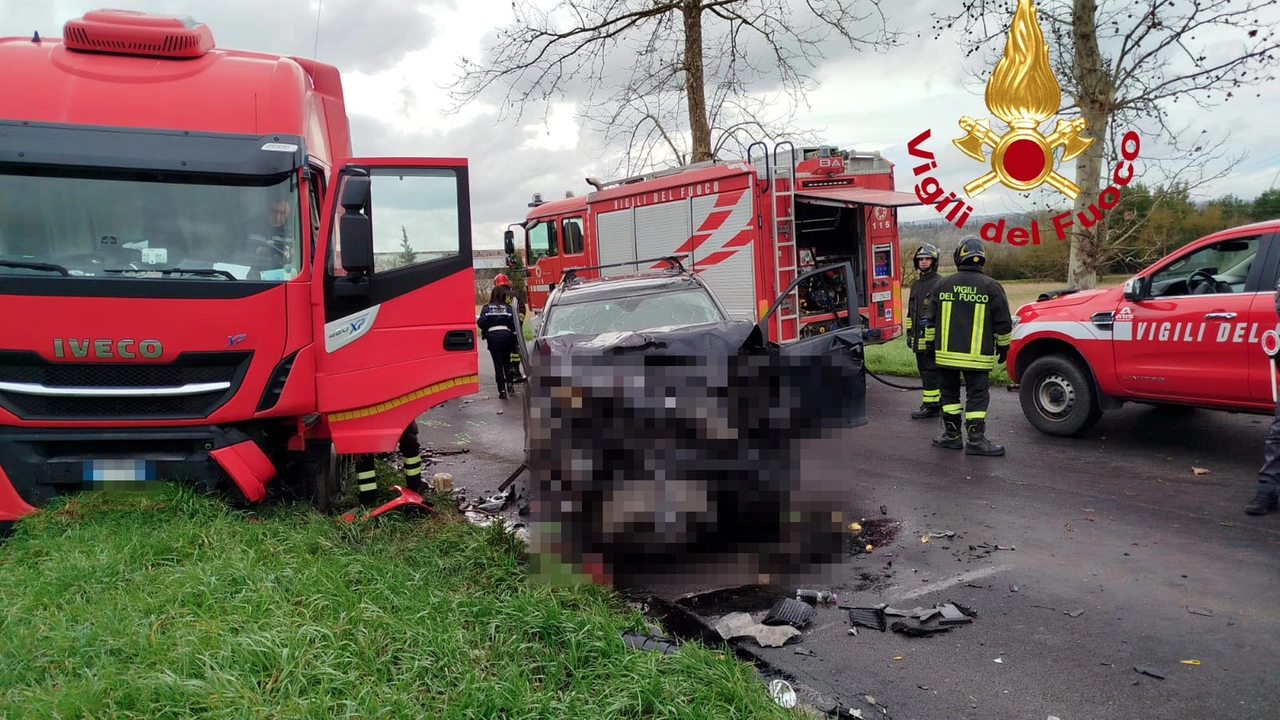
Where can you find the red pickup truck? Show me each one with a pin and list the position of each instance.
(1188, 330)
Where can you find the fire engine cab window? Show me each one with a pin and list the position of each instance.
(1219, 268)
(415, 217)
(573, 236)
(129, 225)
(542, 241)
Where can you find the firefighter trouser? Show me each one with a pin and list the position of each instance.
(502, 345)
(929, 378)
(1269, 475)
(977, 385)
(410, 450)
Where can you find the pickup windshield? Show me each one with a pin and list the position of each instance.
(136, 224)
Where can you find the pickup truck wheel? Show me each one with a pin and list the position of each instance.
(1057, 396)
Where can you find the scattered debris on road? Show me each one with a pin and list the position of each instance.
(916, 622)
(1199, 470)
(1200, 611)
(1149, 671)
(740, 624)
(813, 597)
(789, 611)
(1073, 613)
(1190, 662)
(782, 693)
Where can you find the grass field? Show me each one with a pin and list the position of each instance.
(174, 605)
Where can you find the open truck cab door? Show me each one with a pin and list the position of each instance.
(395, 315)
(840, 346)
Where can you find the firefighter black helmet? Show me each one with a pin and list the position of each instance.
(970, 250)
(926, 251)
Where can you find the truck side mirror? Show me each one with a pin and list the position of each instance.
(355, 227)
(1133, 289)
(509, 242)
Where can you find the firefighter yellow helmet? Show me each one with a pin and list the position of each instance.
(970, 250)
(926, 251)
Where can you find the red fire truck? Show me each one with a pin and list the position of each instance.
(749, 228)
(196, 286)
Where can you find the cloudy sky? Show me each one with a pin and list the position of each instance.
(396, 56)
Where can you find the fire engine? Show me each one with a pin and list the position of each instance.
(1196, 328)
(747, 227)
(196, 286)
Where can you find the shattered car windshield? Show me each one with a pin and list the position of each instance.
(635, 313)
(133, 224)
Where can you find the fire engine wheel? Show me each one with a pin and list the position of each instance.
(1057, 396)
(327, 477)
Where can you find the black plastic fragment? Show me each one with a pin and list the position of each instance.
(1149, 671)
(649, 643)
(789, 611)
(911, 629)
(873, 618)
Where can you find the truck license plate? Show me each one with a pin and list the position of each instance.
(100, 473)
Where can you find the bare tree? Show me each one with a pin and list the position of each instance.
(689, 79)
(1121, 63)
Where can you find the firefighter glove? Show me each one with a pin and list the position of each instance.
(1002, 352)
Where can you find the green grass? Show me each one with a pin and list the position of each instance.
(174, 604)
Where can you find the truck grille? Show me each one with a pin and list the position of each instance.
(26, 381)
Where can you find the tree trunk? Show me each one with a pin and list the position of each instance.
(695, 84)
(1096, 98)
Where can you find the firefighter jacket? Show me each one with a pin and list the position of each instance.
(496, 317)
(974, 323)
(920, 324)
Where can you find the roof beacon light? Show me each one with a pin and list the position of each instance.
(125, 32)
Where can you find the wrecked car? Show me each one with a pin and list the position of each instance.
(664, 438)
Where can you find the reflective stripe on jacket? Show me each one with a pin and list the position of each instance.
(919, 314)
(973, 320)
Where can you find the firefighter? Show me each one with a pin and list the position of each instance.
(1267, 498)
(973, 333)
(500, 281)
(410, 450)
(498, 329)
(921, 327)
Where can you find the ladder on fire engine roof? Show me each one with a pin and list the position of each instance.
(602, 184)
(781, 189)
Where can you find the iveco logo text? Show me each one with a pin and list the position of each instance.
(351, 327)
(106, 348)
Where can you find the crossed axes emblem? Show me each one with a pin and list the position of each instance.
(1065, 135)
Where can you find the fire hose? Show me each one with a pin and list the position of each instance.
(893, 385)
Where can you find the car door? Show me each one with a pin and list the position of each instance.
(1263, 314)
(1191, 326)
(835, 354)
(395, 309)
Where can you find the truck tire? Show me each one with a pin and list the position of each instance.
(326, 474)
(1058, 397)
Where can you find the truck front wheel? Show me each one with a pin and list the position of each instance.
(1057, 396)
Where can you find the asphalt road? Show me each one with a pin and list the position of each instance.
(1116, 524)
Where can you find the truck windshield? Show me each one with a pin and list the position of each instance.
(149, 224)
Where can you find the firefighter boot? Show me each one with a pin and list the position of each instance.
(950, 437)
(977, 442)
(1262, 503)
(927, 410)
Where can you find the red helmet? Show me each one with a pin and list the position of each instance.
(501, 279)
